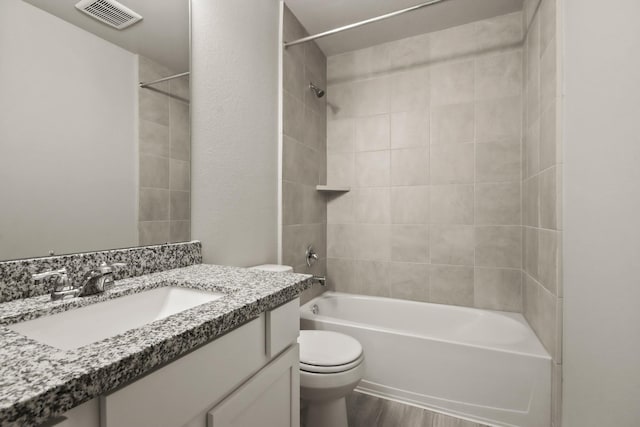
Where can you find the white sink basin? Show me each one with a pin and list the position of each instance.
(81, 326)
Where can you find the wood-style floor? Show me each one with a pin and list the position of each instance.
(369, 411)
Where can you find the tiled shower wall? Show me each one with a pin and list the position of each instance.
(427, 133)
(165, 157)
(304, 153)
(542, 183)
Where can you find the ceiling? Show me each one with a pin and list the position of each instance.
(323, 15)
(162, 35)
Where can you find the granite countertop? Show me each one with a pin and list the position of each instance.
(38, 381)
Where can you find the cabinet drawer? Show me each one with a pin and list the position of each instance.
(283, 327)
(172, 395)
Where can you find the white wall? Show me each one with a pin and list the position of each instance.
(602, 214)
(235, 129)
(68, 154)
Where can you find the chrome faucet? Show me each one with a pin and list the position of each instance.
(99, 279)
(62, 286)
(320, 279)
(94, 281)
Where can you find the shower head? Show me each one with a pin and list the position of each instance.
(316, 90)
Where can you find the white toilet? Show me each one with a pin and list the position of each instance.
(331, 366)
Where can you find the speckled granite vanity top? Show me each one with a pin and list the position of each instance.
(38, 381)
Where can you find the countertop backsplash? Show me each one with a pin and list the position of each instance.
(15, 275)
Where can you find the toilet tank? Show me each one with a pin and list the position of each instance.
(276, 268)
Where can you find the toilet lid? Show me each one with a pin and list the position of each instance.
(327, 348)
(304, 367)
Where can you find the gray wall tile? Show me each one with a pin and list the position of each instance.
(499, 76)
(180, 205)
(180, 231)
(410, 205)
(372, 169)
(452, 164)
(373, 133)
(340, 168)
(452, 83)
(410, 243)
(499, 119)
(372, 205)
(154, 172)
(498, 203)
(410, 129)
(498, 162)
(498, 289)
(409, 281)
(371, 96)
(153, 232)
(499, 246)
(410, 90)
(452, 204)
(372, 278)
(453, 123)
(410, 166)
(451, 285)
(341, 135)
(340, 274)
(154, 204)
(154, 107)
(452, 244)
(292, 200)
(340, 208)
(180, 131)
(180, 172)
(154, 138)
(373, 242)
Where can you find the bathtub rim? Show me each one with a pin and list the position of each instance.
(306, 314)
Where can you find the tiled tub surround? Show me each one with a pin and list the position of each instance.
(15, 276)
(427, 132)
(304, 209)
(542, 182)
(38, 381)
(165, 157)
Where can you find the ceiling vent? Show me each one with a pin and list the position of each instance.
(110, 12)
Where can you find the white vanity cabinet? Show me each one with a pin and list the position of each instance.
(248, 377)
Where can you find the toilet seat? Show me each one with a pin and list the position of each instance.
(328, 352)
(330, 369)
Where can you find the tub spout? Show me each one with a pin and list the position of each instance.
(320, 279)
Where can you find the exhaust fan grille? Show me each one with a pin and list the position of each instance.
(110, 12)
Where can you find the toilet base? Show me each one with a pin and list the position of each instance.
(329, 413)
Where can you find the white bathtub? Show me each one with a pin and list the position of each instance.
(485, 366)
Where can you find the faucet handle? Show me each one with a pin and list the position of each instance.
(311, 256)
(61, 274)
(105, 267)
(62, 288)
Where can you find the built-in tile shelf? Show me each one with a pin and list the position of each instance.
(332, 189)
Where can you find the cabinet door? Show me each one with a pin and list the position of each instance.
(174, 394)
(269, 399)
